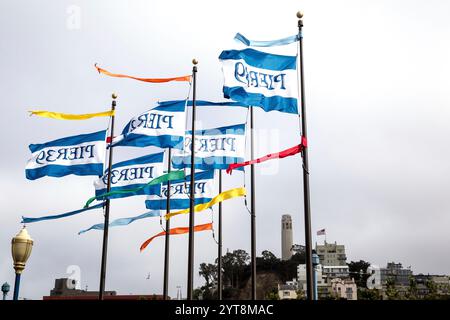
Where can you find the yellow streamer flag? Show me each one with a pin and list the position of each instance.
(229, 194)
(66, 116)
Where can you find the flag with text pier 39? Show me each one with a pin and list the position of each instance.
(215, 148)
(180, 191)
(162, 126)
(81, 155)
(261, 79)
(133, 174)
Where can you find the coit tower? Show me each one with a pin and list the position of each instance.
(286, 237)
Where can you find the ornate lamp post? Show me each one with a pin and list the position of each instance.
(21, 246)
(5, 290)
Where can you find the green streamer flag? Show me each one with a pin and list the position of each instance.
(173, 175)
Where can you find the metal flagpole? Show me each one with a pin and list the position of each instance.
(190, 276)
(253, 209)
(219, 253)
(108, 189)
(167, 238)
(306, 198)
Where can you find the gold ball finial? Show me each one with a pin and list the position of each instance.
(194, 61)
(114, 95)
(299, 14)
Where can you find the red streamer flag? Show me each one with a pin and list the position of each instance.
(278, 155)
(151, 80)
(180, 230)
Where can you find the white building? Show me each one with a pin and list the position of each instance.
(331, 254)
(332, 272)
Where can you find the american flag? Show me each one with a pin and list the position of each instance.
(321, 232)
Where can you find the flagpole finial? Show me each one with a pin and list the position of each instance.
(114, 95)
(299, 14)
(194, 61)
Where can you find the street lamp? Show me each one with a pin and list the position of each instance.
(21, 246)
(5, 289)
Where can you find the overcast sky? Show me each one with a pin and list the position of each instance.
(377, 82)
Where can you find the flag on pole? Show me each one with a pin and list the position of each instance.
(226, 195)
(278, 155)
(67, 116)
(321, 232)
(132, 174)
(272, 43)
(203, 103)
(163, 127)
(81, 155)
(179, 192)
(215, 148)
(174, 231)
(121, 221)
(260, 79)
(173, 175)
(151, 80)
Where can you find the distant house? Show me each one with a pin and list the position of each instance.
(287, 291)
(344, 288)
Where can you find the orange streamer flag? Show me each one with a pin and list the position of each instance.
(181, 230)
(151, 80)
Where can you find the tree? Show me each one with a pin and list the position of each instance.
(412, 292)
(391, 290)
(368, 294)
(209, 273)
(432, 290)
(358, 271)
(234, 267)
(268, 256)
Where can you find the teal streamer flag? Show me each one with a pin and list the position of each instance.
(173, 175)
(254, 43)
(122, 221)
(63, 215)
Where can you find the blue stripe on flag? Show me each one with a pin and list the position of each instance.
(151, 158)
(161, 204)
(208, 163)
(122, 221)
(253, 43)
(70, 141)
(148, 190)
(55, 170)
(201, 175)
(203, 103)
(278, 103)
(260, 59)
(162, 141)
(59, 216)
(233, 129)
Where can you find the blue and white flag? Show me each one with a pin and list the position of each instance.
(260, 79)
(180, 191)
(162, 126)
(214, 148)
(82, 155)
(203, 103)
(271, 43)
(132, 174)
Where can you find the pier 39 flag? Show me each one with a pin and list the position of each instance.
(214, 148)
(180, 190)
(132, 174)
(260, 79)
(162, 126)
(81, 155)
